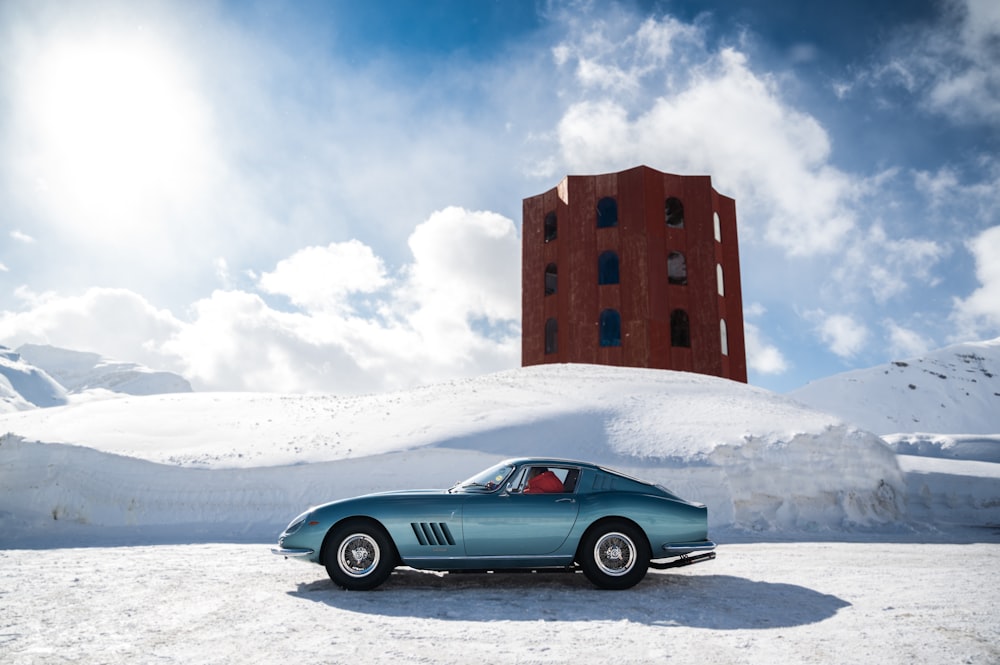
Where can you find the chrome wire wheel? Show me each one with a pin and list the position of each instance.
(358, 555)
(614, 554)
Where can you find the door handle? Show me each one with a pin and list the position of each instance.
(565, 500)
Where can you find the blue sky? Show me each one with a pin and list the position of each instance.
(267, 195)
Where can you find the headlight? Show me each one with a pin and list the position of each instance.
(295, 525)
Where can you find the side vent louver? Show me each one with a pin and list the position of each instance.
(432, 533)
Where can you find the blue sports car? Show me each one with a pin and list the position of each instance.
(533, 514)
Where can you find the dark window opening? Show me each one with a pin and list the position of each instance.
(680, 328)
(611, 328)
(673, 211)
(607, 268)
(551, 336)
(550, 227)
(607, 212)
(677, 269)
(551, 279)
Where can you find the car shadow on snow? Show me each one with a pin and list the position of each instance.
(722, 602)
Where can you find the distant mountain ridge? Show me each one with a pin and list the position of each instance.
(954, 390)
(24, 386)
(39, 376)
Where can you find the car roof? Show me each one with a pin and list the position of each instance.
(554, 461)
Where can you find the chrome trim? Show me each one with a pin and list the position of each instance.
(680, 549)
(492, 557)
(280, 551)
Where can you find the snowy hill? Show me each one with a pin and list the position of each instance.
(24, 386)
(955, 390)
(79, 371)
(237, 466)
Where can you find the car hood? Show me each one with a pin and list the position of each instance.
(387, 495)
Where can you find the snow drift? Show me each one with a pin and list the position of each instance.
(238, 466)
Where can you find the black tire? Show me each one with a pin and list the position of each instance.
(359, 555)
(614, 555)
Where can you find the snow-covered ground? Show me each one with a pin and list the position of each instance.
(137, 529)
(767, 603)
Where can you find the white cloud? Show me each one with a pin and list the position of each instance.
(453, 311)
(466, 265)
(979, 313)
(904, 342)
(842, 333)
(886, 266)
(417, 328)
(952, 65)
(22, 237)
(711, 114)
(761, 356)
(320, 278)
(116, 323)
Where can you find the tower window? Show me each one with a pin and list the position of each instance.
(680, 328)
(719, 280)
(550, 227)
(607, 268)
(551, 336)
(607, 213)
(551, 279)
(677, 269)
(611, 328)
(673, 211)
(724, 335)
(718, 226)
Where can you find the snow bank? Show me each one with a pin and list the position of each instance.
(947, 446)
(241, 465)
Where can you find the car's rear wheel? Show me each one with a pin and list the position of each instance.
(614, 555)
(359, 555)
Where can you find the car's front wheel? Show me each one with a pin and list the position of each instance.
(359, 555)
(614, 555)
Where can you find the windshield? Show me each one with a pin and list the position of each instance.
(488, 480)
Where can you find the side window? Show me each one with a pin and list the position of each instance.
(531, 480)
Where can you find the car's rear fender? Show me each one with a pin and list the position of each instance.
(660, 519)
(603, 523)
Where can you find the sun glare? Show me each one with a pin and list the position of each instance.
(116, 130)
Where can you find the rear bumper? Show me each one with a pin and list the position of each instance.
(681, 549)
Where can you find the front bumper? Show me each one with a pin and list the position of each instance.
(291, 553)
